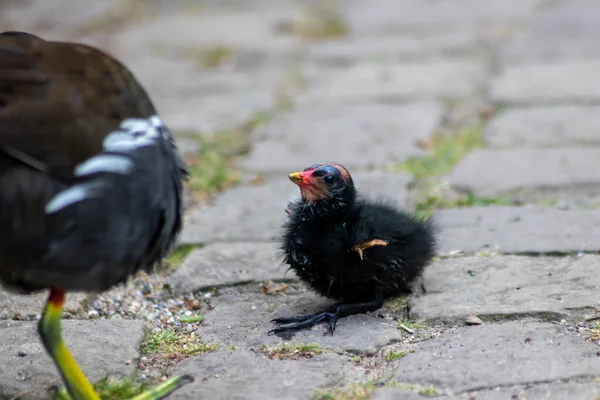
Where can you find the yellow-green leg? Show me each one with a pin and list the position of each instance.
(77, 385)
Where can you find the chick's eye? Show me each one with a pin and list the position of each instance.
(328, 178)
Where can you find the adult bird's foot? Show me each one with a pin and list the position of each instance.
(77, 386)
(306, 321)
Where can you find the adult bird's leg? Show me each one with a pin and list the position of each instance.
(77, 385)
(332, 314)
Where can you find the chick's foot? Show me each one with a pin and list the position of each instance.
(332, 314)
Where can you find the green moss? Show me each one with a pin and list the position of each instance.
(432, 202)
(322, 21)
(178, 256)
(400, 385)
(113, 387)
(428, 391)
(121, 14)
(212, 169)
(212, 57)
(392, 355)
(324, 395)
(396, 303)
(355, 391)
(192, 319)
(443, 153)
(292, 350)
(154, 341)
(412, 325)
(168, 343)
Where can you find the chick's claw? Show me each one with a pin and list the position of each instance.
(308, 323)
(290, 320)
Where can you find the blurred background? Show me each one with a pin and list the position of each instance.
(219, 69)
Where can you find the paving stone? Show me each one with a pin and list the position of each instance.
(479, 357)
(243, 320)
(569, 29)
(357, 136)
(545, 127)
(505, 286)
(391, 16)
(100, 347)
(223, 264)
(554, 391)
(42, 17)
(487, 173)
(256, 213)
(30, 307)
(219, 112)
(395, 82)
(549, 82)
(253, 29)
(395, 394)
(377, 48)
(244, 375)
(518, 230)
(222, 5)
(187, 79)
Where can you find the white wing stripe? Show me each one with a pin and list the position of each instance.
(105, 163)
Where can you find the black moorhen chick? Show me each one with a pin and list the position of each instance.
(350, 249)
(90, 182)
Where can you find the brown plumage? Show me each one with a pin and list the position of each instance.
(90, 178)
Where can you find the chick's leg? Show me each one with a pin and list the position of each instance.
(332, 314)
(77, 385)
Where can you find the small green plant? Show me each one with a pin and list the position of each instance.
(169, 343)
(154, 341)
(433, 202)
(114, 387)
(211, 57)
(324, 395)
(322, 21)
(213, 168)
(428, 391)
(400, 385)
(178, 256)
(444, 152)
(292, 350)
(355, 391)
(191, 319)
(412, 325)
(392, 355)
(396, 303)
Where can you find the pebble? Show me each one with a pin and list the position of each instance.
(473, 320)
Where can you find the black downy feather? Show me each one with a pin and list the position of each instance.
(321, 234)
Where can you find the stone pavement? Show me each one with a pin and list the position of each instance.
(509, 310)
